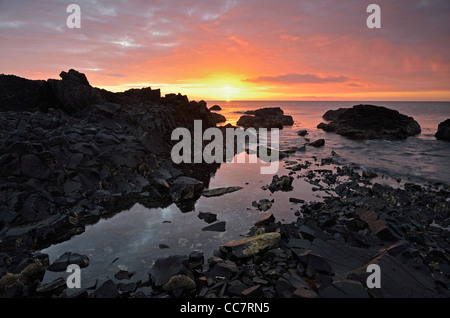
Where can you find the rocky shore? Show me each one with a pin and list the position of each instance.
(71, 154)
(324, 254)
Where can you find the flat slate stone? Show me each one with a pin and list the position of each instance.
(219, 191)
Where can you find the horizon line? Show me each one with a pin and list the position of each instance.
(352, 101)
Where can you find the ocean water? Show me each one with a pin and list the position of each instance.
(131, 239)
(421, 158)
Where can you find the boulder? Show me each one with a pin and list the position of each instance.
(443, 132)
(165, 268)
(283, 183)
(218, 118)
(269, 111)
(318, 143)
(185, 188)
(265, 118)
(370, 122)
(179, 282)
(215, 108)
(208, 217)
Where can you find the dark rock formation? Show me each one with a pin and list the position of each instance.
(318, 143)
(186, 188)
(216, 227)
(262, 205)
(283, 183)
(20, 94)
(71, 153)
(215, 108)
(443, 131)
(208, 217)
(370, 122)
(265, 118)
(218, 118)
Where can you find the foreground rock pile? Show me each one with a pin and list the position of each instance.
(325, 253)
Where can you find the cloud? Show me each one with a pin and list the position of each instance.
(115, 74)
(298, 79)
(279, 43)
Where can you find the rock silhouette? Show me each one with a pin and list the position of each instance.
(370, 122)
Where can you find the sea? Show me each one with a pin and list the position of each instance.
(134, 239)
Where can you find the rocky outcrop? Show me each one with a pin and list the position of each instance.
(265, 118)
(370, 122)
(74, 93)
(443, 132)
(71, 153)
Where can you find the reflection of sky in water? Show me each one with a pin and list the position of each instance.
(134, 236)
(130, 239)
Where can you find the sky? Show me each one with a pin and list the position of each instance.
(237, 49)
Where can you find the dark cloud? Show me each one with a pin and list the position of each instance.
(298, 79)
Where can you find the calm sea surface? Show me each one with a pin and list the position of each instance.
(130, 240)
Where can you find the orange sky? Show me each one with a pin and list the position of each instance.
(237, 49)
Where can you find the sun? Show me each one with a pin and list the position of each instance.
(228, 100)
